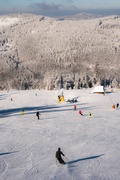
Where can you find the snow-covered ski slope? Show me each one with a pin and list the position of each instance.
(28, 145)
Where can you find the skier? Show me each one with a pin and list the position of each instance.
(58, 156)
(22, 112)
(117, 105)
(37, 114)
(89, 114)
(80, 112)
(74, 107)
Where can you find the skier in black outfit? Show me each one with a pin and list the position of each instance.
(117, 105)
(37, 114)
(58, 156)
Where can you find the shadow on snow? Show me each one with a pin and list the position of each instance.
(3, 96)
(83, 159)
(6, 153)
(42, 109)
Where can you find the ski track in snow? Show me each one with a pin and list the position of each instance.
(3, 166)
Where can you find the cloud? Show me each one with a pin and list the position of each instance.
(45, 7)
(72, 8)
(51, 7)
(69, 1)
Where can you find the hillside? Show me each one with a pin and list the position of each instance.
(45, 53)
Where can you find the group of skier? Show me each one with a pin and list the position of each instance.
(81, 113)
(59, 153)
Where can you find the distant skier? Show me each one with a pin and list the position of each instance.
(75, 107)
(58, 156)
(89, 114)
(38, 114)
(80, 112)
(22, 112)
(117, 105)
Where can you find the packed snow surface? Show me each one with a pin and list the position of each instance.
(28, 145)
(7, 21)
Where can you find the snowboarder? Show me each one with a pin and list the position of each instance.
(80, 112)
(58, 156)
(37, 114)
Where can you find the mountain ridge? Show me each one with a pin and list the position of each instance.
(44, 53)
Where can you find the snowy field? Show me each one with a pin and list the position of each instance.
(28, 145)
(7, 21)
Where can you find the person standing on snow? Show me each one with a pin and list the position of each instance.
(74, 107)
(117, 105)
(58, 156)
(37, 114)
(89, 114)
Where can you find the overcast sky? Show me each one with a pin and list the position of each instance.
(60, 7)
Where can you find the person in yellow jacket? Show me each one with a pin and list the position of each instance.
(22, 112)
(89, 114)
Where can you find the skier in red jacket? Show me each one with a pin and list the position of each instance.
(80, 112)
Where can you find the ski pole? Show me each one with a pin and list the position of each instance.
(66, 158)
